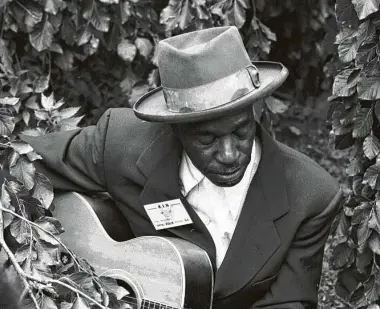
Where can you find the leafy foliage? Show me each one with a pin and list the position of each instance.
(355, 122)
(96, 54)
(33, 235)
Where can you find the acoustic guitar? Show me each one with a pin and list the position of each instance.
(162, 272)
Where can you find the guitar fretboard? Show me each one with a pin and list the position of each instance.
(148, 304)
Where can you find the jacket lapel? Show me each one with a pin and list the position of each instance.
(160, 164)
(255, 238)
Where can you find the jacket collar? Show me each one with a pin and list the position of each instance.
(255, 238)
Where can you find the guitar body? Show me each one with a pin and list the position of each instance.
(163, 272)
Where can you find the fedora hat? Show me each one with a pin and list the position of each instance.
(206, 74)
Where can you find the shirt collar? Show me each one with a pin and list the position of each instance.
(190, 175)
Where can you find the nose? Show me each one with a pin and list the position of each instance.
(227, 151)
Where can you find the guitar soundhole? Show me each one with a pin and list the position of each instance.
(129, 301)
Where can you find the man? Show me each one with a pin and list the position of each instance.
(261, 210)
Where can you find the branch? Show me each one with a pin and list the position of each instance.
(49, 282)
(47, 232)
(25, 277)
(11, 256)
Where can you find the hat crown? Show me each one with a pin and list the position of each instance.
(200, 57)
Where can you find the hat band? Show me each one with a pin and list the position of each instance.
(213, 94)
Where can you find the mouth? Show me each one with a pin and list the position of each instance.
(228, 174)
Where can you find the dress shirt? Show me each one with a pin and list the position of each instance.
(218, 207)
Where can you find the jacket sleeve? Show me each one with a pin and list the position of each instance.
(296, 286)
(73, 160)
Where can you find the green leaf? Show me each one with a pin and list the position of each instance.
(100, 20)
(369, 88)
(48, 303)
(43, 190)
(84, 280)
(354, 168)
(33, 15)
(65, 305)
(34, 132)
(366, 53)
(68, 124)
(9, 101)
(177, 13)
(24, 171)
(20, 230)
(41, 84)
(42, 37)
(65, 61)
(363, 260)
(7, 122)
(371, 290)
(69, 112)
(47, 102)
(345, 13)
(51, 225)
(126, 50)
(343, 256)
(374, 243)
(80, 303)
(363, 123)
(41, 115)
(371, 175)
(348, 48)
(343, 141)
(5, 57)
(53, 6)
(47, 253)
(32, 103)
(111, 286)
(125, 11)
(32, 156)
(374, 221)
(236, 13)
(371, 146)
(110, 1)
(365, 7)
(5, 198)
(144, 46)
(345, 83)
(22, 253)
(83, 35)
(363, 234)
(276, 106)
(26, 116)
(21, 147)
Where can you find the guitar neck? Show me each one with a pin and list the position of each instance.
(148, 304)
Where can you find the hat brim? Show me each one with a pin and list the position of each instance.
(152, 105)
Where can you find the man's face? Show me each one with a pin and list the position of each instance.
(220, 148)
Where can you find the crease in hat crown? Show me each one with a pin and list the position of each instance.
(200, 57)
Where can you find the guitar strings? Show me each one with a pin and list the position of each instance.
(146, 305)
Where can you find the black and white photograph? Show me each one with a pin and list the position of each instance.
(189, 154)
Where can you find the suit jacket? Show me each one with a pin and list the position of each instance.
(275, 255)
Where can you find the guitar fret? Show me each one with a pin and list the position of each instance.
(149, 304)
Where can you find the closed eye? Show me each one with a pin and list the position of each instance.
(206, 139)
(242, 131)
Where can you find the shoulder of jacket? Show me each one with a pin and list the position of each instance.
(127, 134)
(308, 180)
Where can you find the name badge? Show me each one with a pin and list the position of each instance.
(168, 214)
